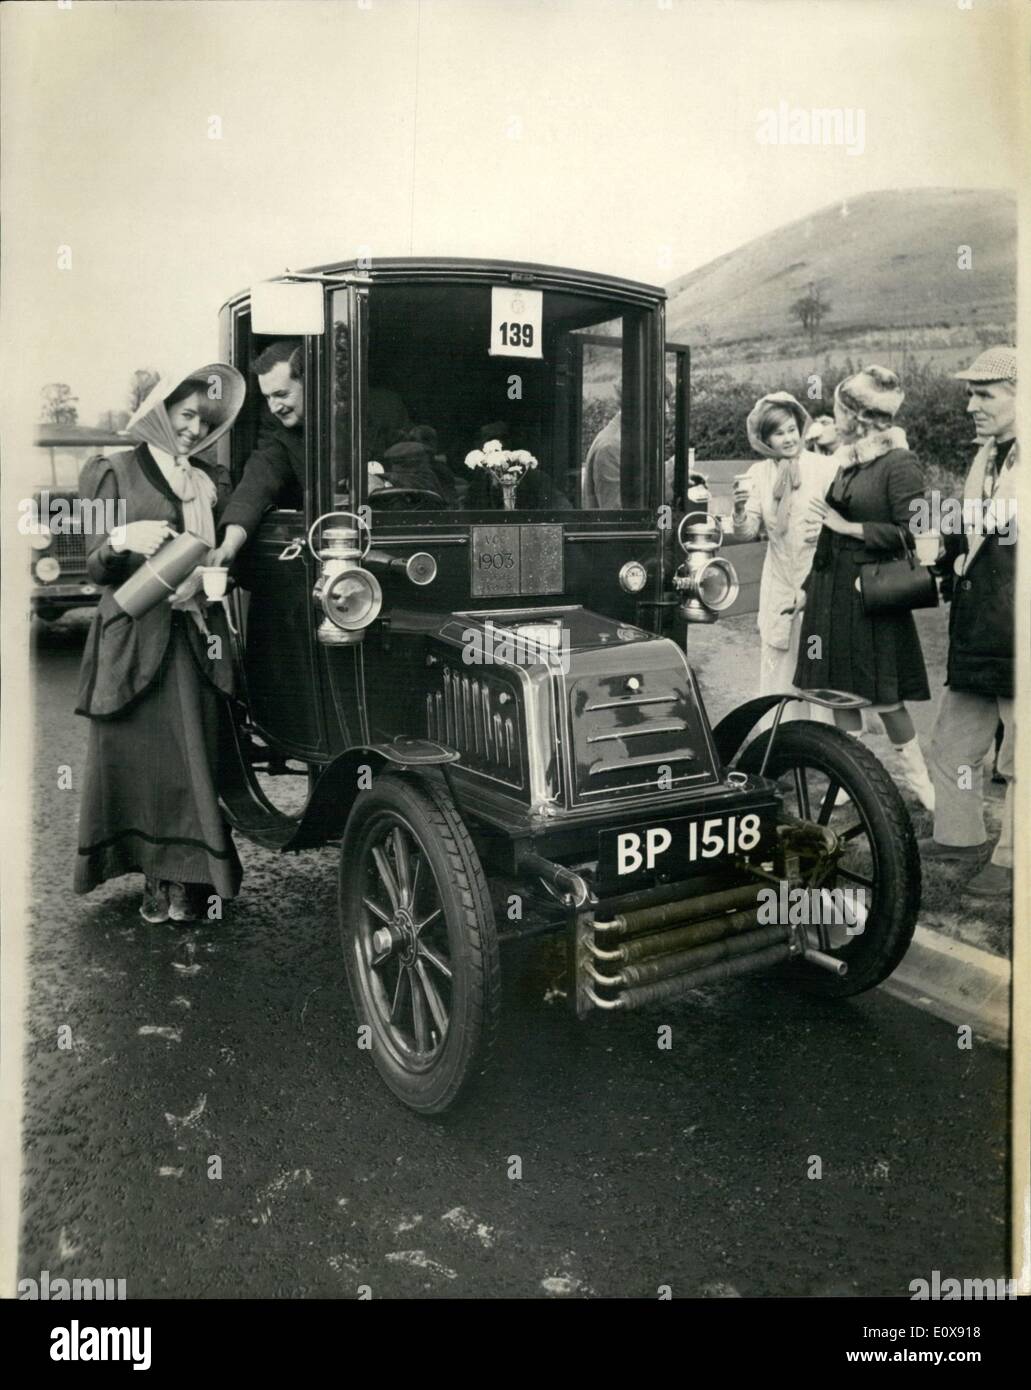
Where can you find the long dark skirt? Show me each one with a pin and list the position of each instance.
(878, 657)
(149, 803)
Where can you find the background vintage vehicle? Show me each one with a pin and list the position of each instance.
(58, 546)
(486, 682)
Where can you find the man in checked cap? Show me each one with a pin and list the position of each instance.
(978, 690)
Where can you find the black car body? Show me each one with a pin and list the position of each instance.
(487, 682)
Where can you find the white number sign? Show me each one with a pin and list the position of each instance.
(515, 322)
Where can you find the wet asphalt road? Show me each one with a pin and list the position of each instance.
(236, 1041)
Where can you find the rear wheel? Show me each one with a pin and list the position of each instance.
(419, 939)
(877, 857)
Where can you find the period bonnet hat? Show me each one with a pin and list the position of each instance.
(757, 416)
(222, 390)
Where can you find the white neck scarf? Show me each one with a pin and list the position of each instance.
(194, 489)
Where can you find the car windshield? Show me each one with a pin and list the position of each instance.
(496, 397)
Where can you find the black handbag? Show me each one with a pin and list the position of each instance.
(895, 586)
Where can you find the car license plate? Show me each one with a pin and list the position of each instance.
(677, 848)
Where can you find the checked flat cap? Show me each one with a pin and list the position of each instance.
(994, 364)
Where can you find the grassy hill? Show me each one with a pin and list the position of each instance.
(885, 261)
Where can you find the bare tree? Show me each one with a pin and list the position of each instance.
(144, 379)
(59, 405)
(811, 310)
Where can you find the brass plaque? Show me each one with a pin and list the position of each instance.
(516, 559)
(494, 558)
(540, 551)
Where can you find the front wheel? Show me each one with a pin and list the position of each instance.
(876, 859)
(419, 939)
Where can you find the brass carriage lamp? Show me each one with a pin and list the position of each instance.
(707, 583)
(349, 596)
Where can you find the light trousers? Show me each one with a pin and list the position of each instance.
(964, 735)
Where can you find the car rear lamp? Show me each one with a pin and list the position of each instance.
(47, 569)
(707, 585)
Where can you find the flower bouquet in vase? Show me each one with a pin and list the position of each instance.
(507, 467)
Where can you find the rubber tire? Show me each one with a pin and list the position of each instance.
(897, 883)
(430, 813)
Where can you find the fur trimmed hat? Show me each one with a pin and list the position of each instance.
(873, 392)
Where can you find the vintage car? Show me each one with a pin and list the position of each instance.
(485, 677)
(53, 522)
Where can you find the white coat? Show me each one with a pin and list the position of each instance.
(789, 555)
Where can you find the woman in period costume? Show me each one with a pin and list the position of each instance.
(776, 493)
(152, 686)
(858, 522)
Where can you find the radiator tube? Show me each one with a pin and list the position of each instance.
(662, 990)
(688, 962)
(682, 910)
(678, 938)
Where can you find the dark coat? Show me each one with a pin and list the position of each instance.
(983, 594)
(877, 657)
(273, 476)
(124, 656)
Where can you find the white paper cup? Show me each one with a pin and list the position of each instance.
(214, 578)
(927, 547)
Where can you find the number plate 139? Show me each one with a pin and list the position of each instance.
(515, 322)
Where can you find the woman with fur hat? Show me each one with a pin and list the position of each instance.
(776, 494)
(151, 686)
(842, 648)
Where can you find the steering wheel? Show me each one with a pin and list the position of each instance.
(396, 499)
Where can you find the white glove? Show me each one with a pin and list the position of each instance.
(144, 537)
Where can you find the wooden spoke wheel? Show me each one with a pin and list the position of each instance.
(419, 939)
(816, 768)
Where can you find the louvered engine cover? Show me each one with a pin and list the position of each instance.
(636, 729)
(607, 712)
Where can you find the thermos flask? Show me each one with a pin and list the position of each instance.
(160, 575)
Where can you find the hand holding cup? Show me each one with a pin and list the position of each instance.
(929, 548)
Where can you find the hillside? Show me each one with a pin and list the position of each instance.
(889, 262)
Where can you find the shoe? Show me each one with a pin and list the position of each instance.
(181, 906)
(933, 849)
(154, 907)
(912, 772)
(993, 881)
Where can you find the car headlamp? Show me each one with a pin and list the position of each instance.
(708, 585)
(40, 537)
(352, 599)
(47, 569)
